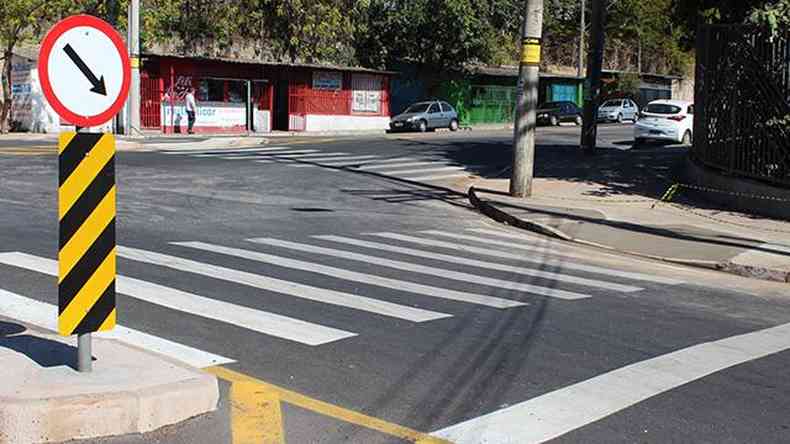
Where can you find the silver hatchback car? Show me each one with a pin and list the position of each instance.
(424, 116)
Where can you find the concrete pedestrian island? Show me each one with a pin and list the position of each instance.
(44, 399)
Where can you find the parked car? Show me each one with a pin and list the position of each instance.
(554, 113)
(666, 120)
(618, 110)
(424, 116)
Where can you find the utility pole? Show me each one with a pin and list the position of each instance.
(592, 86)
(582, 26)
(133, 123)
(527, 102)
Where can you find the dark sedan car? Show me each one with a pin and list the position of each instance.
(554, 113)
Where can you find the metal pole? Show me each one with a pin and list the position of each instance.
(134, 56)
(527, 101)
(592, 86)
(84, 354)
(583, 25)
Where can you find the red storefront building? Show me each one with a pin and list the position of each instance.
(240, 96)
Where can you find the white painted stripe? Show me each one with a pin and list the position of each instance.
(280, 286)
(526, 236)
(426, 170)
(209, 153)
(395, 284)
(43, 315)
(482, 264)
(354, 160)
(278, 154)
(423, 269)
(562, 411)
(528, 258)
(311, 156)
(438, 177)
(256, 320)
(397, 165)
(512, 245)
(264, 161)
(262, 156)
(391, 160)
(217, 150)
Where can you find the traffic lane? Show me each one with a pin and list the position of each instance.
(433, 375)
(363, 143)
(746, 403)
(474, 362)
(344, 320)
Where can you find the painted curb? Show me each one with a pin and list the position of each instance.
(501, 216)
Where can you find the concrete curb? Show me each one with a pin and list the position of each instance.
(133, 391)
(537, 227)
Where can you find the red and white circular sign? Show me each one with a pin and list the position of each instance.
(84, 70)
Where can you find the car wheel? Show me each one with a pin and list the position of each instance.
(578, 121)
(619, 118)
(554, 121)
(687, 138)
(454, 125)
(422, 126)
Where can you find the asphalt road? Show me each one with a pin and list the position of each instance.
(410, 307)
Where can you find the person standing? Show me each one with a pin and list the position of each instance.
(191, 107)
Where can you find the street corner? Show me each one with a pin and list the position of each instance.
(266, 413)
(129, 391)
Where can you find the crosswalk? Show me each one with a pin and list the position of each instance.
(441, 274)
(425, 167)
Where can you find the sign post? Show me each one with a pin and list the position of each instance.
(85, 75)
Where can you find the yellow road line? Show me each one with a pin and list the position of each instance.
(314, 405)
(256, 415)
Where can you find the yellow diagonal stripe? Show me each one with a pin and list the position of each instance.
(327, 409)
(84, 174)
(256, 415)
(87, 296)
(64, 140)
(109, 323)
(82, 240)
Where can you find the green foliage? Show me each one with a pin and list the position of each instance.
(629, 84)
(775, 16)
(436, 34)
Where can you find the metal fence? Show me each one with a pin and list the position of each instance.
(742, 97)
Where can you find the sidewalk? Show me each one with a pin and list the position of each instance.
(612, 201)
(148, 142)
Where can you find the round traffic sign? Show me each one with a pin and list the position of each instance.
(84, 70)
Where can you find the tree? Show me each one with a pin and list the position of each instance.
(307, 31)
(19, 20)
(25, 21)
(436, 35)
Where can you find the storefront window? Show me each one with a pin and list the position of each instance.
(237, 91)
(211, 90)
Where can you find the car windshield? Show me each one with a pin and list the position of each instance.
(612, 104)
(662, 108)
(550, 105)
(418, 108)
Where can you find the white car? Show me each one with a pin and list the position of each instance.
(666, 120)
(618, 110)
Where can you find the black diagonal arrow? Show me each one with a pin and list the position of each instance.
(98, 84)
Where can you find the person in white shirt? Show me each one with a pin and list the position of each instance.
(191, 107)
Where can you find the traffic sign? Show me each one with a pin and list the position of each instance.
(84, 70)
(86, 254)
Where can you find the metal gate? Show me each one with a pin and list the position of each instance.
(151, 103)
(742, 119)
